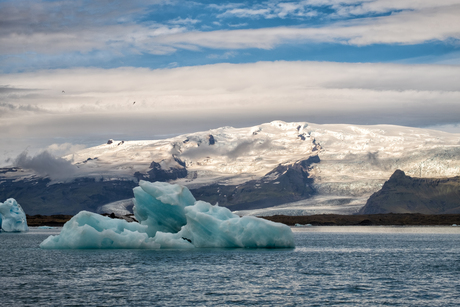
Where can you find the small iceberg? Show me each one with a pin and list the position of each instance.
(300, 225)
(170, 217)
(12, 217)
(45, 227)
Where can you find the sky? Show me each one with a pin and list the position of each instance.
(76, 73)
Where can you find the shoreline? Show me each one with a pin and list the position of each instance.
(389, 219)
(57, 220)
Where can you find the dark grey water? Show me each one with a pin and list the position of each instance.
(331, 266)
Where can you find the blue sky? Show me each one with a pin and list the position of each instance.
(162, 34)
(70, 70)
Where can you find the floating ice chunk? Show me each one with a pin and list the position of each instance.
(170, 218)
(160, 206)
(214, 226)
(91, 230)
(12, 217)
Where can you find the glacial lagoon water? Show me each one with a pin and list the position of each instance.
(330, 266)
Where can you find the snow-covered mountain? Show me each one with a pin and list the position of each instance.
(225, 155)
(354, 161)
(291, 168)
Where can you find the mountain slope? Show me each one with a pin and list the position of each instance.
(322, 168)
(404, 194)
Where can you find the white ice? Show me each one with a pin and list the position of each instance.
(12, 217)
(170, 217)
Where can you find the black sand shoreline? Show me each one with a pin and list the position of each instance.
(391, 219)
(403, 219)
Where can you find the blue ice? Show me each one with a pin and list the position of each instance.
(170, 217)
(12, 217)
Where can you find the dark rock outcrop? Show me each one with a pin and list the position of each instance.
(211, 139)
(38, 196)
(157, 173)
(285, 183)
(404, 194)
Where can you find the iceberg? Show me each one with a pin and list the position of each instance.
(170, 217)
(12, 217)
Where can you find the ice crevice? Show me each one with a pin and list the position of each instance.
(170, 217)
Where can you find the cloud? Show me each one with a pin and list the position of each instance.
(60, 150)
(241, 147)
(80, 31)
(45, 164)
(98, 103)
(300, 87)
(336, 9)
(7, 109)
(227, 55)
(5, 89)
(245, 146)
(114, 38)
(184, 21)
(238, 25)
(239, 12)
(407, 27)
(80, 26)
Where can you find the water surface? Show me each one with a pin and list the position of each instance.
(330, 266)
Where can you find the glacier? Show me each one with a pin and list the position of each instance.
(170, 217)
(12, 217)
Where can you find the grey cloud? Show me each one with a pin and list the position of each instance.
(200, 152)
(246, 146)
(7, 108)
(45, 164)
(76, 26)
(241, 148)
(27, 16)
(6, 89)
(64, 149)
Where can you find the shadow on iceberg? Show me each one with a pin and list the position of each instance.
(12, 217)
(170, 217)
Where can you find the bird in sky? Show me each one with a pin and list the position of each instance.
(134, 102)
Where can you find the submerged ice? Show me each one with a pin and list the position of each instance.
(170, 217)
(12, 217)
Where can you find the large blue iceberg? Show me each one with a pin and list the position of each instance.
(12, 217)
(170, 217)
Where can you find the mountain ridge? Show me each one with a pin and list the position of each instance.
(404, 194)
(352, 162)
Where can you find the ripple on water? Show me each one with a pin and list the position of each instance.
(326, 268)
